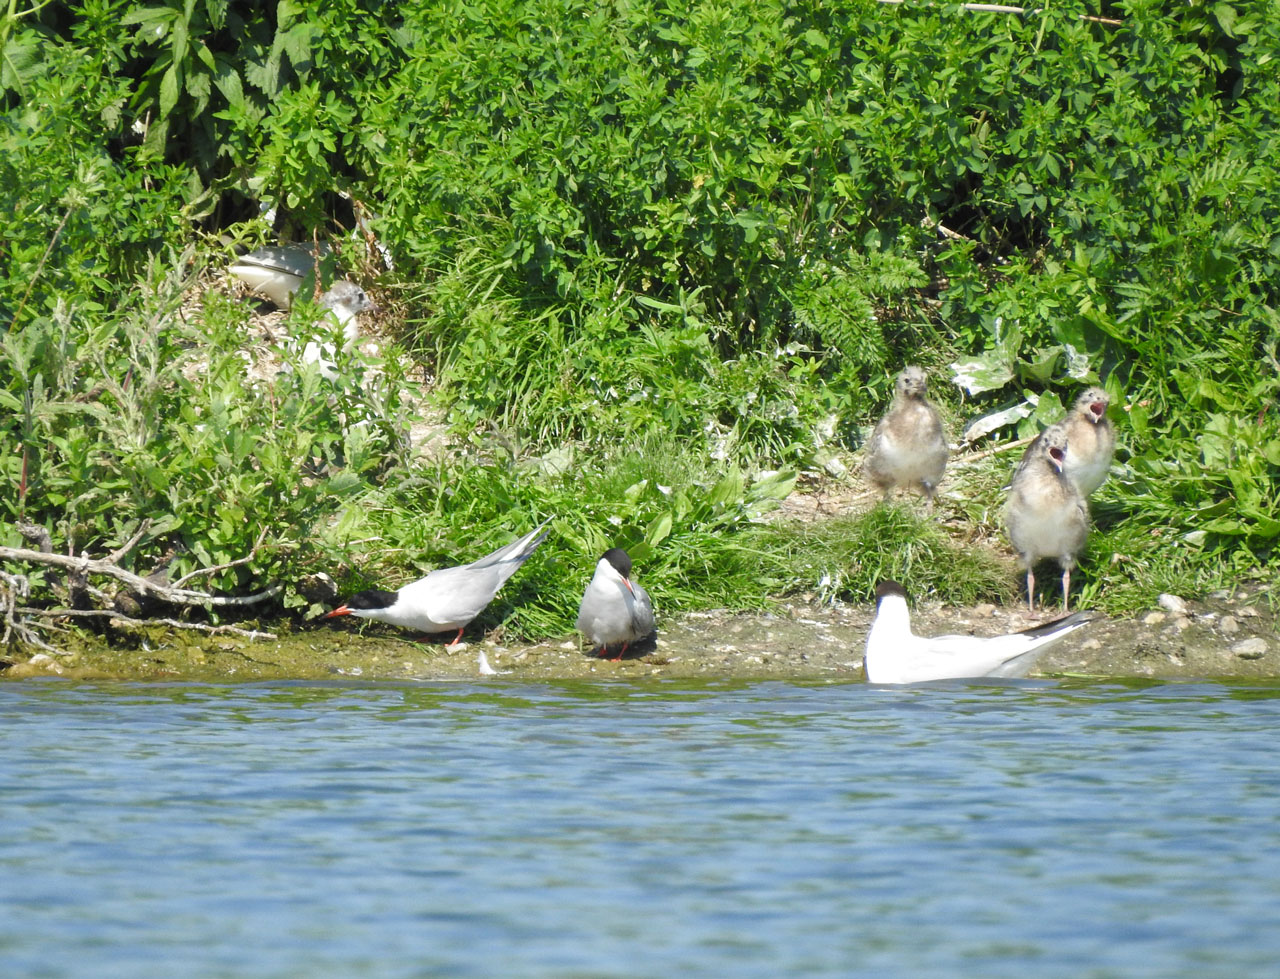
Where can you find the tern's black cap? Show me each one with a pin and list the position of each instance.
(373, 598)
(620, 560)
(889, 588)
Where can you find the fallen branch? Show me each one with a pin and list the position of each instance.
(142, 623)
(177, 596)
(223, 567)
(969, 460)
(929, 223)
(13, 587)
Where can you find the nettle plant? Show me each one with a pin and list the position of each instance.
(151, 418)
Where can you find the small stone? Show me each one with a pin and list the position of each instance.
(318, 589)
(984, 611)
(1229, 625)
(1248, 612)
(1180, 623)
(1172, 603)
(1091, 644)
(1254, 648)
(1153, 618)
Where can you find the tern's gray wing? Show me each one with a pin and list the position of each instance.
(642, 623)
(511, 556)
(277, 271)
(455, 596)
(295, 259)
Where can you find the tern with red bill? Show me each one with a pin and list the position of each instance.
(447, 598)
(615, 609)
(897, 655)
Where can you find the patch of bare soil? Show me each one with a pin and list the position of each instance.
(1220, 637)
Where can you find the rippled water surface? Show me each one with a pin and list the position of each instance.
(494, 829)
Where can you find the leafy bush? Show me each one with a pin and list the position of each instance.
(637, 226)
(145, 420)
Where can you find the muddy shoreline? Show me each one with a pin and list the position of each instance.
(1217, 637)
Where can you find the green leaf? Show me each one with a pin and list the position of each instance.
(1041, 366)
(170, 89)
(659, 529)
(296, 43)
(205, 56)
(1226, 15)
(727, 490)
(774, 486)
(178, 41)
(986, 373)
(816, 39)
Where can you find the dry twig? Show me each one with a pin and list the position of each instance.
(16, 587)
(115, 556)
(970, 460)
(168, 593)
(127, 620)
(223, 567)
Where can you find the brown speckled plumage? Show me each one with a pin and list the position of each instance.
(907, 447)
(1091, 441)
(1046, 515)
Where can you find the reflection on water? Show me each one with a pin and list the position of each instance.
(639, 829)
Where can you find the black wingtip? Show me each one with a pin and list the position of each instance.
(1075, 618)
(889, 588)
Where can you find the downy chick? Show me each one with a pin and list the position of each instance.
(1046, 515)
(907, 446)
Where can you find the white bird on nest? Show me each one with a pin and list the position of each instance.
(278, 271)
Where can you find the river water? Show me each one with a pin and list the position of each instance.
(639, 829)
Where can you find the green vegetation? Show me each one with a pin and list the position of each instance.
(654, 261)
